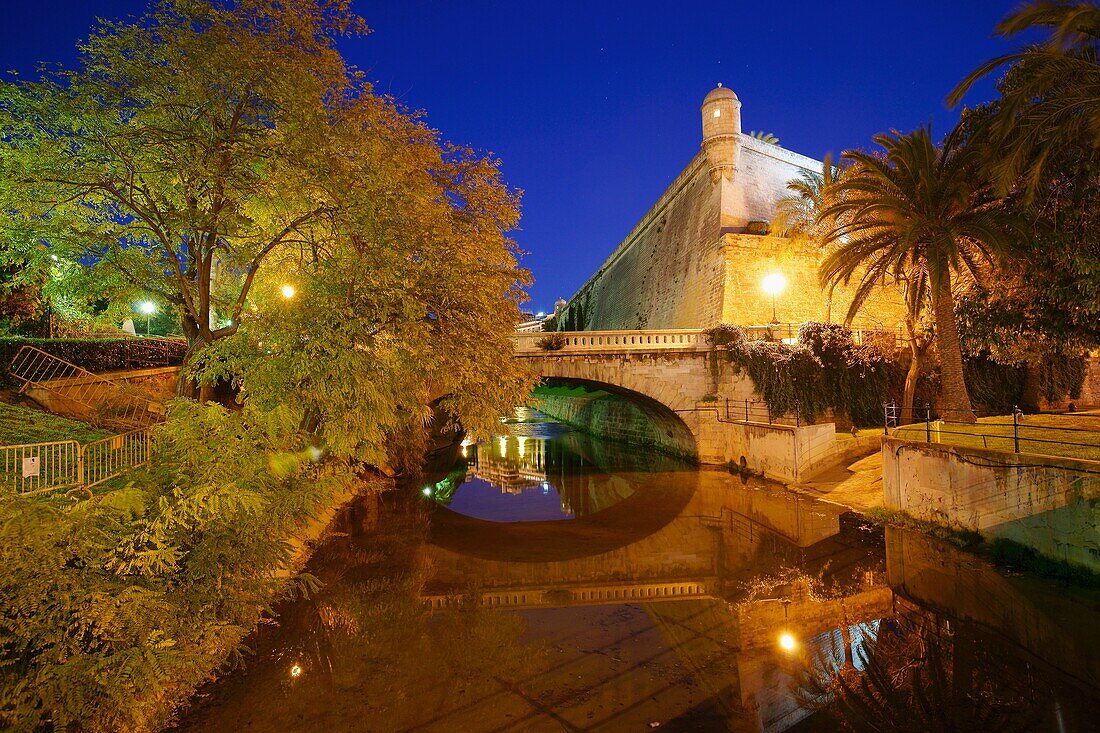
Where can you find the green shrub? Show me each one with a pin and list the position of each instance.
(994, 388)
(1062, 374)
(551, 342)
(726, 334)
(115, 608)
(824, 370)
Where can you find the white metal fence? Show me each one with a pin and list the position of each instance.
(37, 468)
(97, 399)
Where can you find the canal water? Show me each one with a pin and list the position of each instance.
(545, 580)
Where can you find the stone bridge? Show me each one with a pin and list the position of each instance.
(674, 390)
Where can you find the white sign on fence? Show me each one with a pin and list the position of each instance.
(31, 467)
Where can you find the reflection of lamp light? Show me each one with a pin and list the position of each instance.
(522, 441)
(787, 642)
(773, 285)
(503, 443)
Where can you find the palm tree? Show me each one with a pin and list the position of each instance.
(1053, 95)
(919, 215)
(796, 214)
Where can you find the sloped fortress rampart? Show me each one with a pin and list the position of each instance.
(698, 256)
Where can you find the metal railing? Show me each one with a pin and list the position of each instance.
(33, 468)
(107, 458)
(759, 411)
(102, 401)
(36, 468)
(1073, 434)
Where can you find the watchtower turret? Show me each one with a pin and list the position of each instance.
(721, 129)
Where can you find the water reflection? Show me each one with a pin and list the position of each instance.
(695, 601)
(540, 470)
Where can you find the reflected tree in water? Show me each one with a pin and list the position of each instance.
(363, 646)
(921, 674)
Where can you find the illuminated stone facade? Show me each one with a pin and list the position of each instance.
(697, 258)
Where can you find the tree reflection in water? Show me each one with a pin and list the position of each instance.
(364, 650)
(922, 673)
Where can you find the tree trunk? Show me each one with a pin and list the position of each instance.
(916, 354)
(955, 398)
(189, 387)
(908, 409)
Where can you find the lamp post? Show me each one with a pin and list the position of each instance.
(773, 285)
(148, 307)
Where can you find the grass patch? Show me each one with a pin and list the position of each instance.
(23, 425)
(1038, 434)
(966, 539)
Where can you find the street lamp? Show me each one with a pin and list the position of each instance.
(288, 291)
(773, 285)
(148, 307)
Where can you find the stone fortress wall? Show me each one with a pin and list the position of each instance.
(691, 263)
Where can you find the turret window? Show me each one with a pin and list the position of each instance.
(717, 113)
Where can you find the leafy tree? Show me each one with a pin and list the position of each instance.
(208, 142)
(1052, 301)
(919, 214)
(1055, 96)
(209, 153)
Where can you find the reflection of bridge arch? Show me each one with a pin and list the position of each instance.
(721, 531)
(639, 515)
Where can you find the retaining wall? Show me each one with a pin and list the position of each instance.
(1046, 502)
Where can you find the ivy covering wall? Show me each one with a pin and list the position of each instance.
(824, 370)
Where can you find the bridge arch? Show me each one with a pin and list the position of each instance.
(616, 411)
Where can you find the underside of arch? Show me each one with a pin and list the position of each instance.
(616, 413)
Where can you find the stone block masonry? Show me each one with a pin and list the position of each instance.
(675, 400)
(690, 263)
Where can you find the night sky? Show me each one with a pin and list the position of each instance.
(593, 106)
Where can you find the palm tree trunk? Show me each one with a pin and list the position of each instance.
(955, 398)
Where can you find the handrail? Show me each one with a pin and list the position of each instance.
(638, 340)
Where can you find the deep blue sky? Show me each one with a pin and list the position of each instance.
(593, 106)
